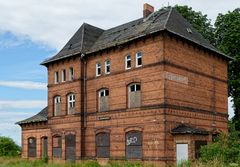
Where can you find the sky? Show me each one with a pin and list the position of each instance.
(32, 31)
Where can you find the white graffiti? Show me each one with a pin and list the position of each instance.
(131, 140)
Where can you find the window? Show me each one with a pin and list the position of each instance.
(70, 147)
(107, 67)
(134, 95)
(103, 100)
(198, 145)
(32, 145)
(98, 69)
(44, 151)
(128, 62)
(63, 75)
(57, 105)
(134, 145)
(103, 145)
(71, 103)
(57, 147)
(71, 74)
(56, 79)
(138, 59)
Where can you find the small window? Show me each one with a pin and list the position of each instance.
(134, 95)
(138, 59)
(56, 79)
(63, 75)
(57, 105)
(71, 74)
(98, 69)
(103, 100)
(128, 62)
(107, 67)
(71, 103)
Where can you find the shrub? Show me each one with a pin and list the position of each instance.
(8, 147)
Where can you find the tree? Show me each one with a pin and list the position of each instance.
(8, 147)
(199, 21)
(227, 35)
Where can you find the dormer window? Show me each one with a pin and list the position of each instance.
(98, 69)
(56, 79)
(138, 59)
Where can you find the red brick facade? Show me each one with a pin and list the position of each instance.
(181, 83)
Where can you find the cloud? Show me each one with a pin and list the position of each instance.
(24, 85)
(22, 104)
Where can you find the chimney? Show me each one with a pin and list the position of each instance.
(147, 10)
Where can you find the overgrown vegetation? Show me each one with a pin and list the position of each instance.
(8, 147)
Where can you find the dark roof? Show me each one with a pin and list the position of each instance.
(40, 117)
(89, 39)
(186, 129)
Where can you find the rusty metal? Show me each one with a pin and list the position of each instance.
(103, 145)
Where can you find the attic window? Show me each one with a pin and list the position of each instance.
(189, 30)
(70, 46)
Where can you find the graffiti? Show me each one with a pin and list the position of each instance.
(131, 140)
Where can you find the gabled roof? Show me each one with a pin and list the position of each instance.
(186, 129)
(40, 117)
(89, 39)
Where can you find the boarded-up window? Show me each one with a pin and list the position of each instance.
(71, 103)
(198, 145)
(103, 145)
(44, 147)
(134, 145)
(57, 146)
(103, 100)
(32, 145)
(57, 105)
(134, 95)
(70, 143)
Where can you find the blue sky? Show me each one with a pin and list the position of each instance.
(31, 31)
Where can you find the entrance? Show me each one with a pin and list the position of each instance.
(182, 152)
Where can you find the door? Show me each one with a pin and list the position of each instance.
(182, 152)
(44, 147)
(70, 142)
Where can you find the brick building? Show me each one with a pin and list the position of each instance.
(152, 89)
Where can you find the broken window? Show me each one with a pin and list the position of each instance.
(56, 79)
(134, 145)
(63, 75)
(71, 103)
(71, 74)
(32, 145)
(103, 100)
(134, 95)
(98, 69)
(138, 59)
(128, 62)
(103, 145)
(57, 146)
(57, 105)
(107, 67)
(198, 145)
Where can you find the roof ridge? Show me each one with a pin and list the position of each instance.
(170, 12)
(82, 36)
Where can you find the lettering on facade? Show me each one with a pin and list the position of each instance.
(131, 140)
(176, 78)
(104, 118)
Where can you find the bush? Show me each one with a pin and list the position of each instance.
(8, 147)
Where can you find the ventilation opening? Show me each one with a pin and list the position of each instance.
(189, 30)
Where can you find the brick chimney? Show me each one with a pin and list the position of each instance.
(147, 10)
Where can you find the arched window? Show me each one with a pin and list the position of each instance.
(44, 151)
(103, 100)
(71, 103)
(32, 145)
(70, 144)
(57, 147)
(134, 145)
(134, 95)
(103, 145)
(57, 105)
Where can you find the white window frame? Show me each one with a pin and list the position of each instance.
(57, 100)
(107, 64)
(56, 77)
(128, 58)
(135, 87)
(63, 75)
(138, 56)
(98, 66)
(70, 74)
(71, 101)
(104, 91)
